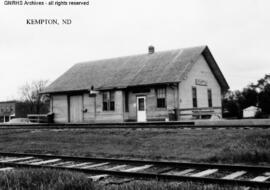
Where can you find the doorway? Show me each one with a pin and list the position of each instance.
(76, 112)
(141, 109)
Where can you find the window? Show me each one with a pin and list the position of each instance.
(126, 101)
(108, 101)
(105, 101)
(194, 97)
(141, 104)
(161, 97)
(209, 95)
(112, 101)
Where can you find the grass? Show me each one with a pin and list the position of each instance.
(232, 145)
(29, 179)
(253, 148)
(33, 179)
(236, 146)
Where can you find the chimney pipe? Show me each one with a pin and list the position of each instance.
(151, 49)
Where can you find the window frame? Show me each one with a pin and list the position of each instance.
(210, 97)
(194, 97)
(161, 99)
(108, 103)
(126, 93)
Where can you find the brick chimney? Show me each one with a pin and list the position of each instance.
(151, 49)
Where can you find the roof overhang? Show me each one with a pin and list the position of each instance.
(215, 69)
(109, 88)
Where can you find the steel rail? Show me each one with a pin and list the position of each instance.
(132, 125)
(147, 175)
(145, 162)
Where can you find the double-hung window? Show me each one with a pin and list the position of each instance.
(108, 101)
(161, 97)
(209, 95)
(194, 97)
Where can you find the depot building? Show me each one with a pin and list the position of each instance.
(155, 86)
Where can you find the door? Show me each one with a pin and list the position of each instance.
(89, 108)
(75, 109)
(141, 109)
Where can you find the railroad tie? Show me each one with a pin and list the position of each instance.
(15, 159)
(78, 165)
(29, 161)
(99, 177)
(135, 169)
(61, 164)
(45, 162)
(235, 175)
(261, 178)
(119, 167)
(183, 172)
(95, 165)
(204, 173)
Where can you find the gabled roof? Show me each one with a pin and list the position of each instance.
(251, 108)
(145, 69)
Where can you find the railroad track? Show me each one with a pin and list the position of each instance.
(131, 125)
(106, 168)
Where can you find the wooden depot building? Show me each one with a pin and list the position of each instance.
(169, 85)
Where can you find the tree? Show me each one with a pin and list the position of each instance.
(32, 97)
(249, 97)
(263, 88)
(257, 94)
(264, 99)
(231, 105)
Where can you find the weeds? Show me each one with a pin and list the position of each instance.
(30, 179)
(37, 179)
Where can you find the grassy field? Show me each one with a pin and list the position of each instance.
(237, 146)
(58, 180)
(227, 146)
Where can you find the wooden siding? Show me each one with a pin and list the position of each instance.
(110, 116)
(60, 108)
(152, 112)
(201, 71)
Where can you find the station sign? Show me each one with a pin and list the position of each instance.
(200, 82)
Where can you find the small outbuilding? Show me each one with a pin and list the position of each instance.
(155, 86)
(250, 112)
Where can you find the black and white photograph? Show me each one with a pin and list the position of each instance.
(134, 95)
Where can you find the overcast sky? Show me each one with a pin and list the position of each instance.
(236, 31)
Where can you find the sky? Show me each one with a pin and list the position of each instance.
(236, 31)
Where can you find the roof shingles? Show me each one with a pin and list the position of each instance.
(159, 67)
